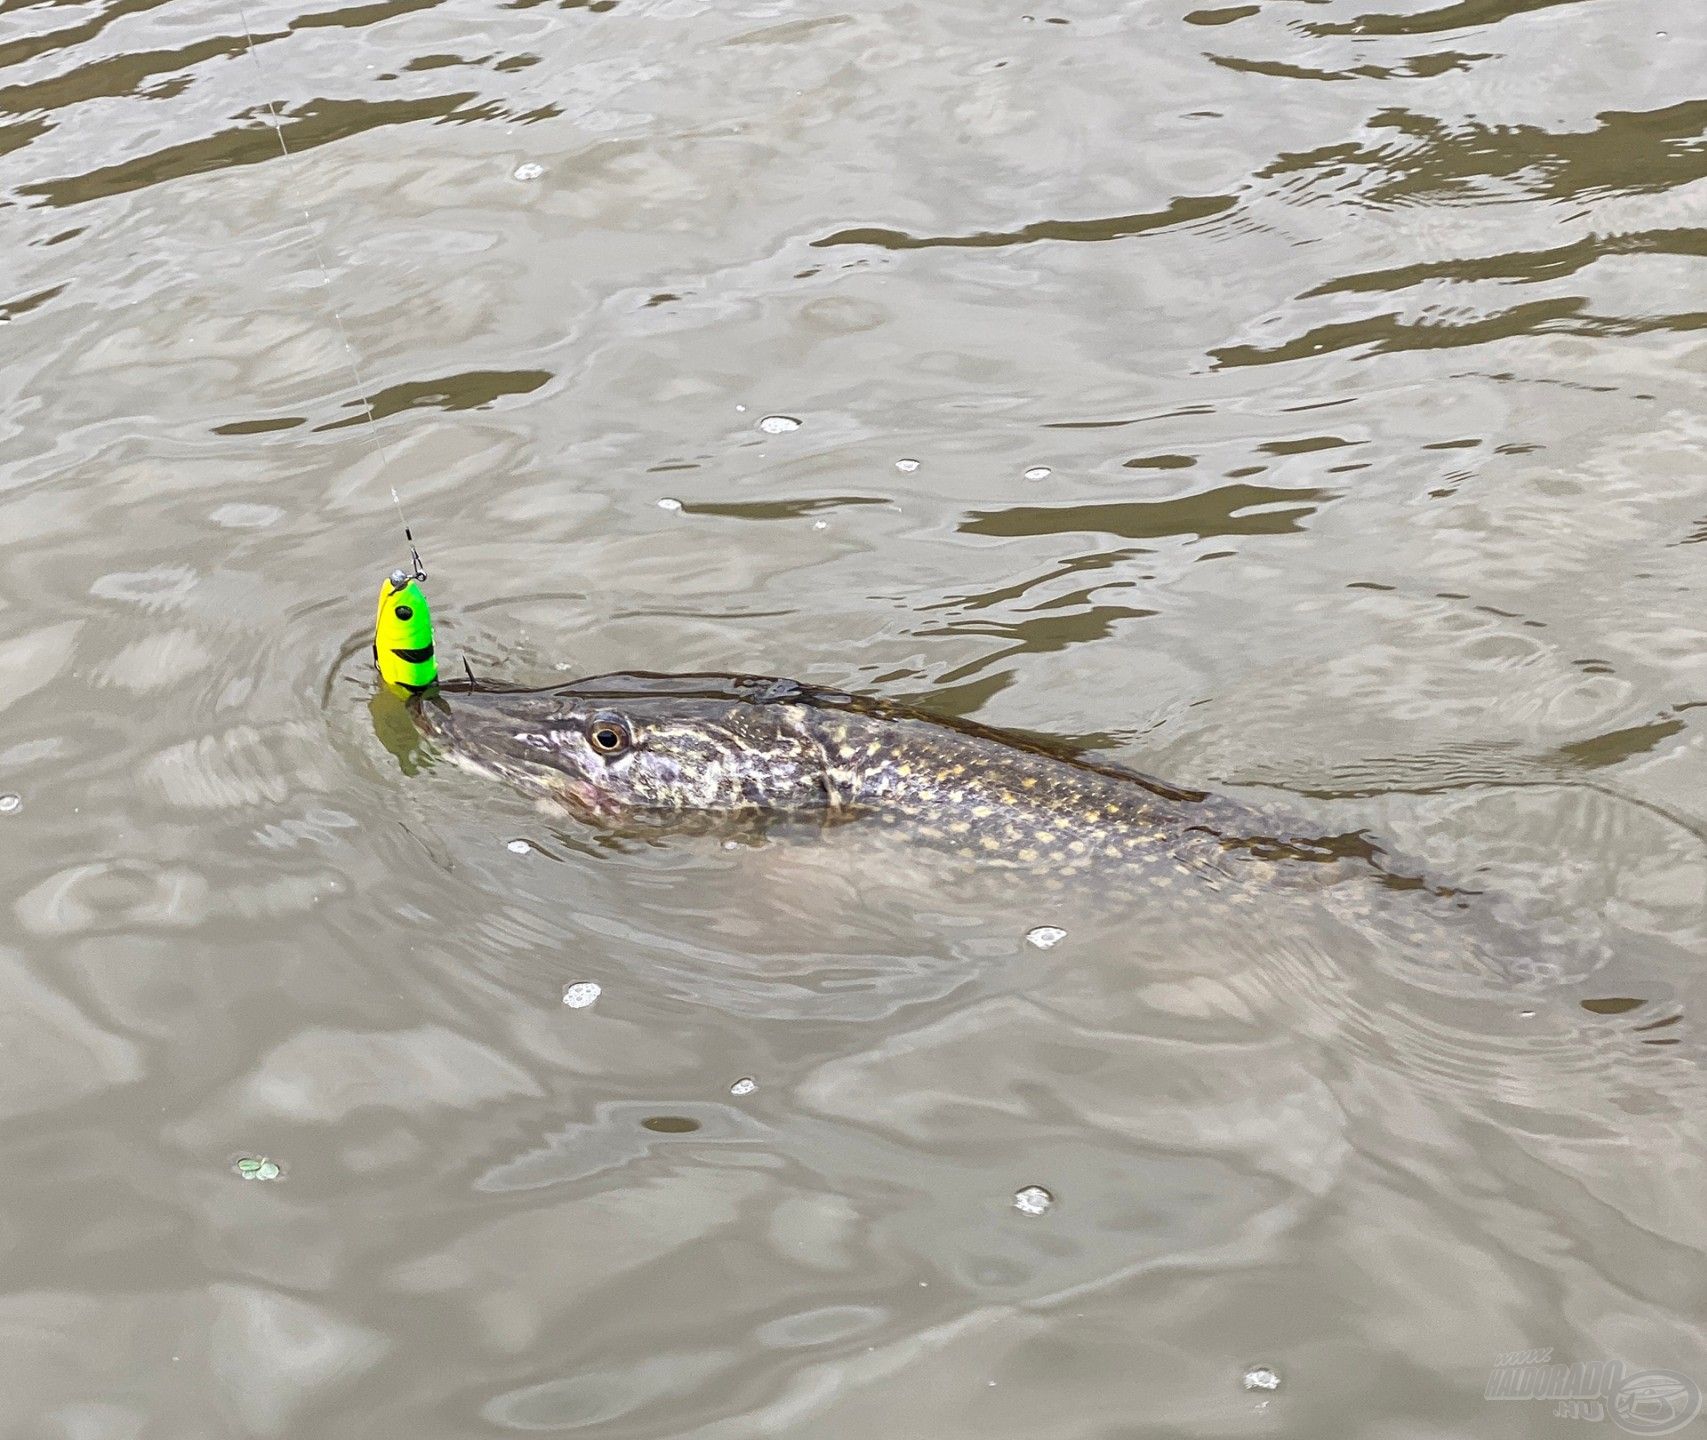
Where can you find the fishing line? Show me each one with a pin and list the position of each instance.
(362, 391)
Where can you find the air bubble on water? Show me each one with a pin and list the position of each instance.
(779, 424)
(744, 1086)
(258, 1167)
(11, 804)
(581, 994)
(518, 847)
(1045, 937)
(530, 171)
(820, 524)
(669, 502)
(906, 467)
(1038, 472)
(1261, 1377)
(1033, 1200)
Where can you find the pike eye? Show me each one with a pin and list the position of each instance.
(608, 735)
(403, 612)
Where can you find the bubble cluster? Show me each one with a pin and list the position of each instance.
(779, 424)
(1045, 937)
(1261, 1377)
(529, 171)
(518, 847)
(581, 994)
(258, 1167)
(744, 1086)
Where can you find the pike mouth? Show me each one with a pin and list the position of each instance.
(581, 797)
(497, 757)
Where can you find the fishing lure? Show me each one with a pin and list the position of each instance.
(403, 635)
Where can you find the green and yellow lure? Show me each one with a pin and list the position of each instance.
(403, 635)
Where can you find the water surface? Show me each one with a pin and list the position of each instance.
(1301, 400)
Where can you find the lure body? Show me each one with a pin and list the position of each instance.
(403, 635)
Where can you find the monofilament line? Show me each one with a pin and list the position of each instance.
(362, 391)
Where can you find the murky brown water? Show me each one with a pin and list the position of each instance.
(1362, 350)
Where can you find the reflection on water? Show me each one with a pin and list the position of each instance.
(1295, 402)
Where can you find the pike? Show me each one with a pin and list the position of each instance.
(647, 755)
